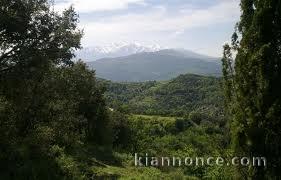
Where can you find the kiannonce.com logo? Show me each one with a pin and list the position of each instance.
(197, 161)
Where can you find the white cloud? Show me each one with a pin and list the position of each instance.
(179, 32)
(160, 19)
(86, 6)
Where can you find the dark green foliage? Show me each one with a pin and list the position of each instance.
(121, 131)
(252, 85)
(180, 125)
(74, 90)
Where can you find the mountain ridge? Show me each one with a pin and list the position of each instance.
(158, 65)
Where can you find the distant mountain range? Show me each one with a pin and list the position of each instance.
(114, 50)
(154, 64)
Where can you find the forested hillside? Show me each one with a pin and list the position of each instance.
(176, 97)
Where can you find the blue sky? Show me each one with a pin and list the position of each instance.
(199, 25)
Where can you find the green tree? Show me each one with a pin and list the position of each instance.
(73, 92)
(252, 86)
(33, 39)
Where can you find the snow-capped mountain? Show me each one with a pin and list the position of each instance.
(114, 50)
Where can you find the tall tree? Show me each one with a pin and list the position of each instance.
(33, 38)
(253, 86)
